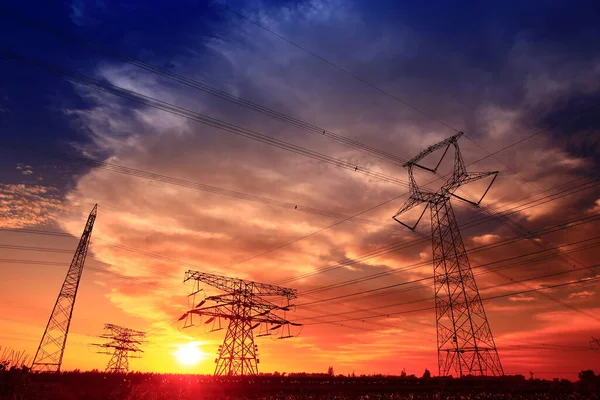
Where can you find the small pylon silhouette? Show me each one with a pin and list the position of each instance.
(124, 343)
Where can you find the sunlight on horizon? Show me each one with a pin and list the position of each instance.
(189, 354)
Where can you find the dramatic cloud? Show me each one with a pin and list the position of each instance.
(24, 205)
(223, 235)
(499, 99)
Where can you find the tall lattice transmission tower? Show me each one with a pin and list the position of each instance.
(49, 354)
(464, 338)
(123, 344)
(248, 306)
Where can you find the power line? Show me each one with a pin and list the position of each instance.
(171, 260)
(504, 276)
(500, 218)
(139, 173)
(95, 269)
(100, 270)
(373, 86)
(35, 262)
(34, 248)
(108, 243)
(559, 185)
(392, 199)
(106, 272)
(325, 60)
(517, 228)
(149, 101)
(345, 71)
(517, 264)
(126, 277)
(206, 88)
(475, 267)
(314, 232)
(585, 280)
(320, 317)
(528, 235)
(552, 197)
(403, 244)
(356, 169)
(477, 249)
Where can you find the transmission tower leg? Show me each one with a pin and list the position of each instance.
(238, 353)
(119, 362)
(464, 338)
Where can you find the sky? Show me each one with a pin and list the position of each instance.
(522, 80)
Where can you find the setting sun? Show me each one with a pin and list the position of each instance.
(189, 354)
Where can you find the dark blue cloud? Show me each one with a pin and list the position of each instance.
(574, 120)
(454, 58)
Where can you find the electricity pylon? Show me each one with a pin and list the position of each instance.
(247, 305)
(49, 354)
(595, 343)
(123, 342)
(464, 338)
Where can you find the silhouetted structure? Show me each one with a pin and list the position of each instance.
(123, 342)
(248, 306)
(464, 338)
(595, 344)
(49, 354)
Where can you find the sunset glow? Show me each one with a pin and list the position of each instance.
(211, 144)
(189, 354)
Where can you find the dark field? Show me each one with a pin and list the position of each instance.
(137, 386)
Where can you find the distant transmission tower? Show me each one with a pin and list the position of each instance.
(124, 343)
(49, 354)
(248, 306)
(595, 343)
(464, 338)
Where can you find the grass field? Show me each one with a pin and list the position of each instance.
(137, 386)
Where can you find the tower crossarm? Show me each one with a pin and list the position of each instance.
(119, 330)
(117, 346)
(257, 313)
(221, 310)
(218, 312)
(228, 284)
(459, 177)
(465, 178)
(434, 147)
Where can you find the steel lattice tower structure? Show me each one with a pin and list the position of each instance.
(464, 338)
(123, 342)
(247, 305)
(49, 354)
